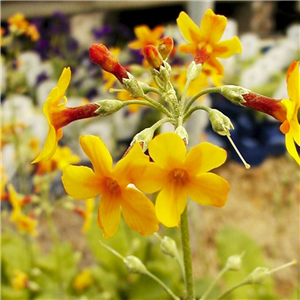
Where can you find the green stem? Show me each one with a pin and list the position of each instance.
(183, 96)
(161, 283)
(193, 109)
(157, 105)
(187, 257)
(221, 273)
(243, 282)
(203, 92)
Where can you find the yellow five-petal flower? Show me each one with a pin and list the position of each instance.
(204, 42)
(290, 127)
(112, 184)
(178, 175)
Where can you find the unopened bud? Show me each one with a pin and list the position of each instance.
(132, 86)
(221, 124)
(143, 138)
(101, 56)
(108, 106)
(153, 57)
(193, 71)
(168, 246)
(181, 131)
(258, 276)
(165, 47)
(234, 262)
(134, 265)
(234, 93)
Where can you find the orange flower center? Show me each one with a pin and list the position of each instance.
(203, 53)
(179, 175)
(112, 186)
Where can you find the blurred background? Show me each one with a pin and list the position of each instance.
(55, 253)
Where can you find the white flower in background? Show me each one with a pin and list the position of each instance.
(293, 33)
(250, 45)
(43, 90)
(17, 109)
(33, 73)
(28, 60)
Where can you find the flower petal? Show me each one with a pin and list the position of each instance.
(215, 64)
(167, 150)
(212, 26)
(293, 82)
(189, 30)
(109, 214)
(291, 147)
(131, 166)
(49, 146)
(170, 204)
(227, 48)
(142, 32)
(153, 179)
(64, 80)
(138, 212)
(81, 182)
(98, 154)
(204, 157)
(208, 189)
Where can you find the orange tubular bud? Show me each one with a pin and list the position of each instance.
(153, 57)
(266, 105)
(101, 56)
(165, 46)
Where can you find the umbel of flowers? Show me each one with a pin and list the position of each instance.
(170, 167)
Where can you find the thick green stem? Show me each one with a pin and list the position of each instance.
(187, 257)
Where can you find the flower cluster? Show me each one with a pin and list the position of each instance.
(170, 168)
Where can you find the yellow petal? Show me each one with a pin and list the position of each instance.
(291, 147)
(109, 214)
(188, 49)
(293, 82)
(167, 150)
(138, 212)
(157, 33)
(227, 48)
(136, 44)
(153, 179)
(170, 204)
(81, 182)
(64, 80)
(212, 26)
(49, 146)
(216, 65)
(13, 197)
(189, 30)
(204, 157)
(208, 189)
(131, 166)
(98, 154)
(142, 32)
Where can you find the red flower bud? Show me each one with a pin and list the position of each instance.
(266, 105)
(101, 56)
(165, 46)
(153, 57)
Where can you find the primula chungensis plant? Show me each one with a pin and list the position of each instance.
(148, 189)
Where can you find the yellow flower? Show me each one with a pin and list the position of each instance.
(146, 36)
(204, 42)
(112, 184)
(19, 281)
(86, 214)
(82, 281)
(290, 127)
(18, 23)
(178, 175)
(58, 115)
(24, 223)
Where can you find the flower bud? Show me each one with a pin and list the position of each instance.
(181, 131)
(153, 57)
(221, 124)
(168, 246)
(234, 93)
(134, 265)
(108, 106)
(143, 138)
(193, 71)
(101, 56)
(234, 262)
(132, 86)
(258, 276)
(165, 47)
